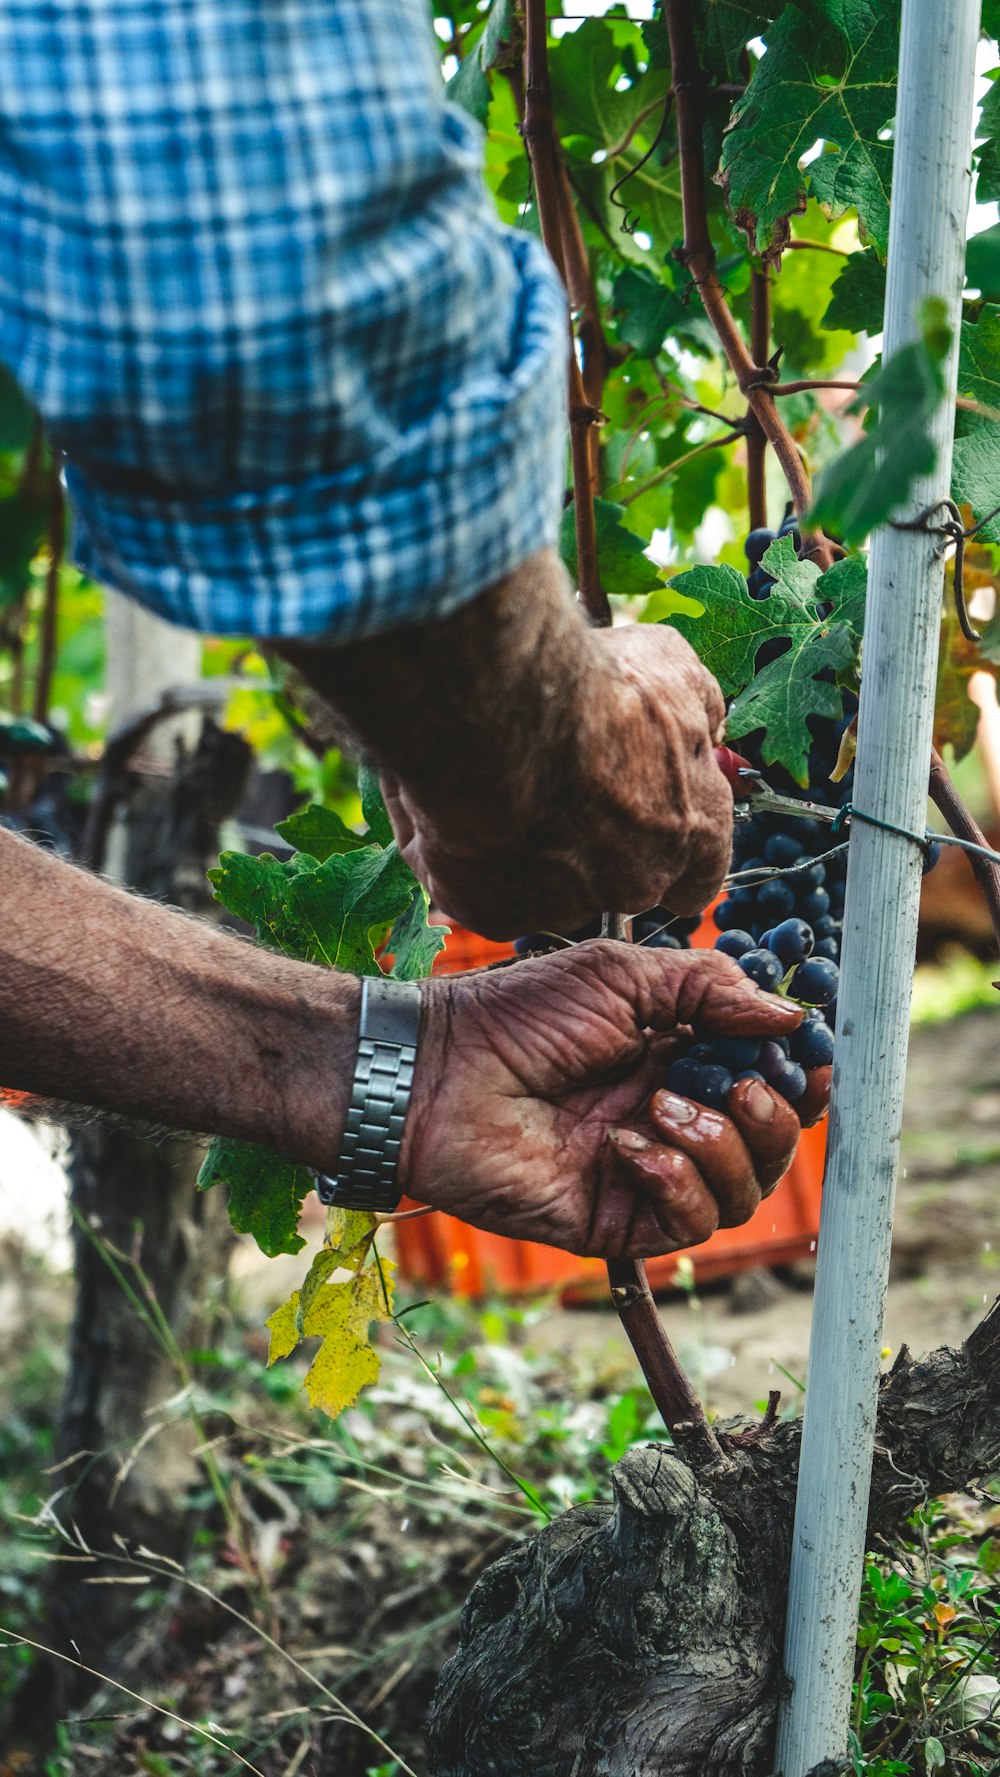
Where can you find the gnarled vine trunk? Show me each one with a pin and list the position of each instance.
(643, 1638)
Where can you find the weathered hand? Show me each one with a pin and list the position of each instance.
(629, 809)
(538, 1112)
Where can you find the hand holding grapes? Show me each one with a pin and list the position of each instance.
(541, 1107)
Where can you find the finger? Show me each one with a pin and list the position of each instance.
(702, 988)
(815, 1100)
(684, 1207)
(715, 1145)
(769, 1127)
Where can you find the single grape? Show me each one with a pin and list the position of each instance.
(782, 849)
(713, 1085)
(735, 942)
(663, 941)
(791, 1082)
(531, 943)
(828, 947)
(813, 905)
(701, 1052)
(763, 967)
(736, 1053)
(757, 542)
(728, 914)
(754, 863)
(765, 939)
(812, 1044)
(771, 1060)
(683, 1075)
(792, 941)
(815, 982)
(776, 899)
(931, 856)
(749, 1073)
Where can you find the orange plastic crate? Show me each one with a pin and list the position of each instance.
(440, 1251)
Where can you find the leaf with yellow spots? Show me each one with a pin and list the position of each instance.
(283, 1326)
(340, 1313)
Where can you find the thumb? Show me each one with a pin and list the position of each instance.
(705, 988)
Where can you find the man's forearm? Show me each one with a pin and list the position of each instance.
(537, 770)
(447, 707)
(117, 1003)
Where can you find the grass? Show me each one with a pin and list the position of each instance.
(388, 1516)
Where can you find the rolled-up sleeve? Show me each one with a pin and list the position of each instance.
(304, 381)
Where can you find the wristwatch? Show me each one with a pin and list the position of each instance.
(380, 1094)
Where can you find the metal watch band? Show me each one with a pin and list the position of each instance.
(380, 1094)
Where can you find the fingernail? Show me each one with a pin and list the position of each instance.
(758, 1103)
(630, 1139)
(679, 1110)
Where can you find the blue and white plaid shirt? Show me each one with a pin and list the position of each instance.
(304, 381)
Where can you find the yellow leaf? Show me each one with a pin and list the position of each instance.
(349, 1233)
(284, 1329)
(342, 1313)
(944, 1614)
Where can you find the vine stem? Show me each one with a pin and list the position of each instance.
(563, 236)
(676, 1401)
(946, 798)
(760, 348)
(699, 258)
(554, 209)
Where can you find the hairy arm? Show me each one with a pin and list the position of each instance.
(536, 770)
(531, 1109)
(122, 1005)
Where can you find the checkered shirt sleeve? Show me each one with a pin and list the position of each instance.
(304, 381)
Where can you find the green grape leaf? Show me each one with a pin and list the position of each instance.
(646, 310)
(622, 562)
(858, 296)
(266, 1193)
(865, 485)
(372, 806)
(982, 262)
(318, 831)
(975, 474)
(786, 692)
(256, 890)
(723, 29)
(469, 86)
(732, 628)
(829, 74)
(337, 906)
(341, 1315)
(987, 154)
(415, 943)
(589, 91)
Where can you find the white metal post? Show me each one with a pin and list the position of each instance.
(930, 200)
